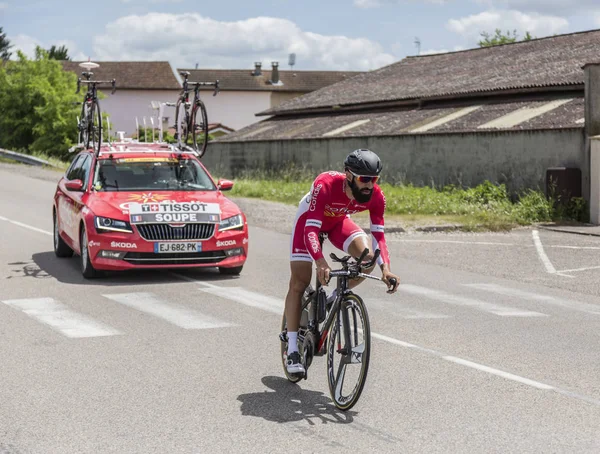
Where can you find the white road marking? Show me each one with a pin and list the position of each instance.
(195, 281)
(487, 369)
(485, 243)
(61, 318)
(448, 298)
(580, 269)
(20, 224)
(567, 304)
(499, 373)
(248, 298)
(403, 312)
(178, 316)
(540, 250)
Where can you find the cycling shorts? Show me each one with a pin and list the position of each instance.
(341, 234)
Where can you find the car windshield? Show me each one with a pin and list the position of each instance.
(157, 174)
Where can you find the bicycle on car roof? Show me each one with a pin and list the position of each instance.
(191, 119)
(90, 122)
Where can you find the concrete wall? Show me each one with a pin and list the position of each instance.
(518, 159)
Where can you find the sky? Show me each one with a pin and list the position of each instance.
(344, 35)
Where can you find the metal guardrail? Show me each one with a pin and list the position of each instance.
(24, 158)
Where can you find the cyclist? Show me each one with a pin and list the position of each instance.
(333, 197)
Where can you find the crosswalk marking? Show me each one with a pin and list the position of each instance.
(61, 318)
(448, 298)
(179, 316)
(559, 302)
(403, 312)
(248, 298)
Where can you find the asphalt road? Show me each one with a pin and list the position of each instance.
(491, 345)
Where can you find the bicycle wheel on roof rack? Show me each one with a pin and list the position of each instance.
(95, 128)
(181, 122)
(84, 133)
(200, 128)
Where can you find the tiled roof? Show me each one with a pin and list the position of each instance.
(244, 80)
(137, 75)
(525, 115)
(545, 62)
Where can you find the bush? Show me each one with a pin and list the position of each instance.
(38, 105)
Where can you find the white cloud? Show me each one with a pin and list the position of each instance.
(187, 39)
(27, 45)
(538, 25)
(367, 3)
(377, 3)
(441, 51)
(3, 6)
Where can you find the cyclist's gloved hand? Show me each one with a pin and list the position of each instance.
(387, 277)
(323, 270)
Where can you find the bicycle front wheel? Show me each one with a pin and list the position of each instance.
(348, 352)
(200, 127)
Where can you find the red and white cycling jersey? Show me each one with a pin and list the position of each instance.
(326, 208)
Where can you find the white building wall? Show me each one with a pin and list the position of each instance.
(125, 105)
(236, 109)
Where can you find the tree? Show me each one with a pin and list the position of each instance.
(499, 38)
(58, 53)
(38, 104)
(5, 46)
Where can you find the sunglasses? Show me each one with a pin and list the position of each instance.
(365, 179)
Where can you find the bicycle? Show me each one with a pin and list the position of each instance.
(336, 323)
(90, 122)
(189, 122)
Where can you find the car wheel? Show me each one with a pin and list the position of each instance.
(88, 271)
(233, 271)
(61, 249)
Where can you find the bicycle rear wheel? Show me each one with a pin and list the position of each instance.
(200, 127)
(181, 122)
(95, 127)
(84, 130)
(348, 352)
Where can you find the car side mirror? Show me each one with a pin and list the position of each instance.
(74, 185)
(225, 185)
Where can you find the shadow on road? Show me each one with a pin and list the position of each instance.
(46, 265)
(288, 402)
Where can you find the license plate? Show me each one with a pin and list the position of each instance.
(160, 248)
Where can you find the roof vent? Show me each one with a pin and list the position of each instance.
(257, 71)
(275, 74)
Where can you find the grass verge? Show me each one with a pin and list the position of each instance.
(487, 207)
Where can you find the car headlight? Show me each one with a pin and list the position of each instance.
(113, 225)
(233, 223)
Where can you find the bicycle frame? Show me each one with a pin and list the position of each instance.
(188, 109)
(320, 335)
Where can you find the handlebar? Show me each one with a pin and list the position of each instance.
(207, 84)
(96, 82)
(354, 270)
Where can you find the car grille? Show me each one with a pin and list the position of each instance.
(174, 258)
(165, 232)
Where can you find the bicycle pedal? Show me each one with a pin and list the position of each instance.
(283, 336)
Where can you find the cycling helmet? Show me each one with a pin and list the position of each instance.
(363, 162)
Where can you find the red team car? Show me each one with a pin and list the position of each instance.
(144, 205)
